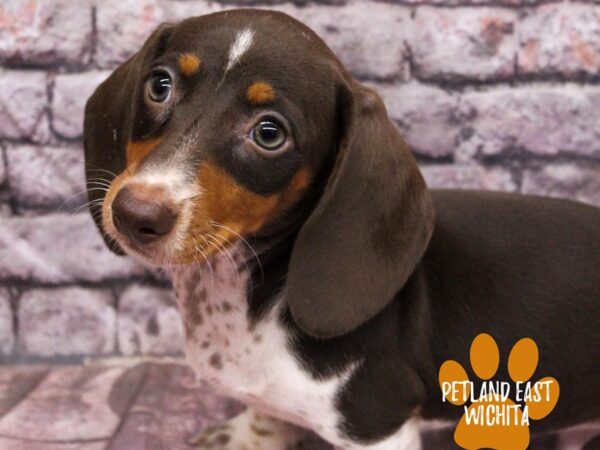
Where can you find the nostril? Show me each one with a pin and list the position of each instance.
(146, 230)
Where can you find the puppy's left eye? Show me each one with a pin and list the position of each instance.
(269, 135)
(159, 87)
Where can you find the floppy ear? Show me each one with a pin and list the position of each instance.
(369, 229)
(107, 126)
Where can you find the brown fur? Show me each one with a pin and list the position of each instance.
(226, 202)
(138, 150)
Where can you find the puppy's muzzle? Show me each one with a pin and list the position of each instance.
(143, 216)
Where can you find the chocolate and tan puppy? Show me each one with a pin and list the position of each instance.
(321, 283)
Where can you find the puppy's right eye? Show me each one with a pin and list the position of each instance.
(159, 87)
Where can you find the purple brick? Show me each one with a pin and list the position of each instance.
(46, 177)
(58, 248)
(538, 118)
(426, 116)
(149, 322)
(66, 321)
(124, 25)
(468, 177)
(369, 38)
(464, 43)
(45, 32)
(23, 104)
(560, 39)
(70, 95)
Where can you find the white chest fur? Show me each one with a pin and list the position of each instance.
(250, 362)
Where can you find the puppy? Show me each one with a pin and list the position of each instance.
(320, 282)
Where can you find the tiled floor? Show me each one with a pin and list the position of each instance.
(147, 406)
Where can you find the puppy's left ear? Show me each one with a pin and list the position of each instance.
(107, 126)
(369, 229)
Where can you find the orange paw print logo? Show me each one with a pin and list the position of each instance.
(493, 420)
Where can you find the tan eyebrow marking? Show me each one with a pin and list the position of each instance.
(260, 93)
(188, 64)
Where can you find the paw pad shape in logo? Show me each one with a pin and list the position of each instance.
(493, 420)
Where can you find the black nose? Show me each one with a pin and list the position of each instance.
(142, 218)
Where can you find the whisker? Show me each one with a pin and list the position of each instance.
(205, 256)
(78, 194)
(239, 252)
(227, 253)
(195, 253)
(97, 181)
(90, 203)
(102, 170)
(215, 224)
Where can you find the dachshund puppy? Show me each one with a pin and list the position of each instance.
(320, 282)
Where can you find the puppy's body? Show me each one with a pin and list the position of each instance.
(353, 282)
(261, 358)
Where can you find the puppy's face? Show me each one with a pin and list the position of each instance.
(243, 124)
(232, 118)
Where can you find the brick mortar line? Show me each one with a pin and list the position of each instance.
(11, 201)
(94, 34)
(14, 295)
(526, 157)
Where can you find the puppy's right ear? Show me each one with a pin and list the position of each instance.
(107, 124)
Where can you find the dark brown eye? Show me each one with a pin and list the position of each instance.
(159, 87)
(269, 135)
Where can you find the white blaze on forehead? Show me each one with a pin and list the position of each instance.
(241, 44)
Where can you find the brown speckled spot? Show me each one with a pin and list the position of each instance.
(202, 296)
(191, 314)
(257, 338)
(227, 306)
(216, 361)
(205, 344)
(209, 310)
(222, 439)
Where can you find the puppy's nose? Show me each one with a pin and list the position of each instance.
(142, 218)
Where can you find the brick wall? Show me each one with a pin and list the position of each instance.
(491, 94)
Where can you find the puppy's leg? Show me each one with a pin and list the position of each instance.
(250, 431)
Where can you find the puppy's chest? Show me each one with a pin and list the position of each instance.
(251, 361)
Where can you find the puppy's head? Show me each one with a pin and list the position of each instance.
(241, 125)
